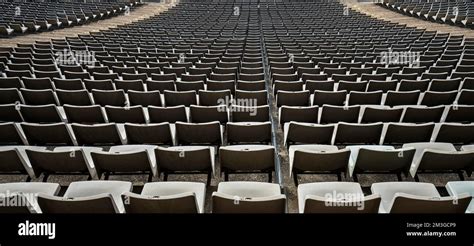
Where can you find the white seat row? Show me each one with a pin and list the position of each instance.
(152, 160)
(375, 113)
(387, 197)
(413, 158)
(234, 197)
(377, 133)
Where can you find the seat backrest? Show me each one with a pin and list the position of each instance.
(309, 133)
(47, 134)
(405, 203)
(456, 133)
(202, 114)
(10, 134)
(252, 114)
(179, 203)
(57, 161)
(109, 97)
(329, 97)
(223, 203)
(19, 204)
(385, 160)
(99, 204)
(423, 115)
(255, 132)
(133, 114)
(198, 133)
(321, 161)
(84, 114)
(167, 114)
(99, 134)
(130, 161)
(358, 133)
(176, 159)
(298, 114)
(317, 204)
(408, 133)
(158, 134)
(177, 98)
(442, 160)
(334, 114)
(253, 157)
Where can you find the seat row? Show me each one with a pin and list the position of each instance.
(411, 84)
(94, 114)
(391, 98)
(328, 114)
(120, 98)
(152, 73)
(164, 82)
(180, 133)
(23, 18)
(382, 73)
(234, 197)
(452, 13)
(150, 160)
(377, 133)
(411, 159)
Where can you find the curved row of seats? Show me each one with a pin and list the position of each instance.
(195, 93)
(180, 133)
(235, 197)
(295, 39)
(185, 71)
(119, 98)
(95, 162)
(328, 114)
(457, 13)
(391, 98)
(150, 160)
(170, 82)
(422, 85)
(377, 133)
(411, 158)
(21, 17)
(94, 114)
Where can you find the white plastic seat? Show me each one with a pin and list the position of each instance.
(422, 148)
(457, 188)
(248, 197)
(186, 159)
(171, 192)
(83, 189)
(388, 190)
(119, 159)
(329, 190)
(468, 147)
(29, 190)
(355, 152)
